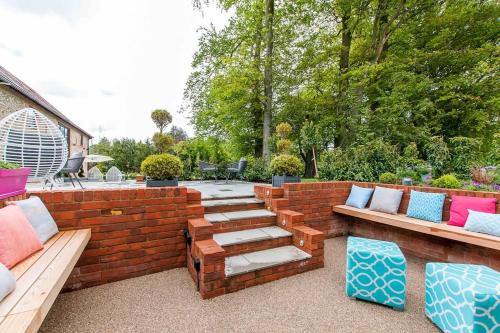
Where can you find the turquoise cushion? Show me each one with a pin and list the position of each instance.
(483, 222)
(426, 206)
(359, 197)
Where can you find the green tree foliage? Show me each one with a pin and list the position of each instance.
(162, 118)
(127, 153)
(163, 142)
(401, 72)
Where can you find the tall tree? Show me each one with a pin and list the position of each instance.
(268, 80)
(162, 118)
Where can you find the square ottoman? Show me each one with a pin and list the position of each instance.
(462, 298)
(376, 272)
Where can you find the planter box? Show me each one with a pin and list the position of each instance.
(139, 179)
(280, 180)
(162, 183)
(13, 181)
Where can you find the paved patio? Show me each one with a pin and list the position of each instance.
(168, 302)
(208, 189)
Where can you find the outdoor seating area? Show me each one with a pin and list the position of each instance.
(253, 166)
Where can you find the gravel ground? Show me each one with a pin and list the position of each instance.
(309, 302)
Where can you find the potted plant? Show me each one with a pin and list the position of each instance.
(161, 170)
(139, 178)
(286, 169)
(13, 179)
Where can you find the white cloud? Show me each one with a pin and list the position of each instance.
(105, 64)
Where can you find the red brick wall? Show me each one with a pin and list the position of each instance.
(315, 201)
(134, 231)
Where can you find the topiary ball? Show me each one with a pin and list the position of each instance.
(162, 167)
(287, 165)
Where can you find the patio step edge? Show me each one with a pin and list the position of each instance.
(238, 215)
(250, 236)
(259, 260)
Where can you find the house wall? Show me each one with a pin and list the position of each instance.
(12, 101)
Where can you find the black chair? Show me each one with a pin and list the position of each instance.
(237, 168)
(207, 168)
(72, 167)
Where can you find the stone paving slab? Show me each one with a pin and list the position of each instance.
(249, 262)
(231, 202)
(249, 236)
(234, 216)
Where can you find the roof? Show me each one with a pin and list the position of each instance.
(26, 91)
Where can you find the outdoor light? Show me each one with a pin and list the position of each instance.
(301, 243)
(284, 222)
(30, 139)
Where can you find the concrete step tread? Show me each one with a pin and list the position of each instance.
(253, 261)
(230, 202)
(249, 236)
(239, 215)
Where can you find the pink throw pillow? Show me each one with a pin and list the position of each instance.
(18, 239)
(460, 206)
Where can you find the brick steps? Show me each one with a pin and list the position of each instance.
(259, 260)
(228, 205)
(241, 220)
(238, 242)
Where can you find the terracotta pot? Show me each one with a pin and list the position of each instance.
(139, 179)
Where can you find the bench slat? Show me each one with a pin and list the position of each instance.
(23, 266)
(44, 291)
(440, 230)
(27, 279)
(20, 323)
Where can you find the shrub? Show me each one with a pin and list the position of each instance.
(447, 181)
(161, 167)
(283, 130)
(258, 170)
(388, 178)
(438, 155)
(8, 165)
(361, 163)
(287, 165)
(283, 145)
(464, 153)
(408, 173)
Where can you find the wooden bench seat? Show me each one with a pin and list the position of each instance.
(435, 229)
(39, 279)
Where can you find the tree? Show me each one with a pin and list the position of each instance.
(268, 80)
(163, 142)
(178, 134)
(162, 118)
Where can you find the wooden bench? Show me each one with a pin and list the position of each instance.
(39, 279)
(442, 230)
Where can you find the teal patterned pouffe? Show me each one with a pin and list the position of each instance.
(463, 298)
(376, 272)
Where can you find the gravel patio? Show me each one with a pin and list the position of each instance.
(168, 302)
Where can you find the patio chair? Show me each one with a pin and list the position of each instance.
(206, 168)
(114, 175)
(95, 174)
(72, 167)
(237, 168)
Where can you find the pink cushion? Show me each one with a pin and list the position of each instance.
(460, 205)
(18, 239)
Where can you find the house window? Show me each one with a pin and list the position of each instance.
(65, 132)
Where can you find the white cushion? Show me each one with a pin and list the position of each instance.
(7, 282)
(386, 200)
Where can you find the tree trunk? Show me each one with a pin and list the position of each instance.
(268, 80)
(379, 30)
(257, 103)
(343, 82)
(309, 164)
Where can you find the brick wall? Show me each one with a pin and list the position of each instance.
(134, 231)
(315, 201)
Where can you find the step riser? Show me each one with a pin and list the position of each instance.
(244, 224)
(262, 276)
(232, 250)
(233, 208)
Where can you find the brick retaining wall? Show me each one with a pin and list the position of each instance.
(134, 231)
(316, 200)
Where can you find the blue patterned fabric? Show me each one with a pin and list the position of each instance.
(463, 298)
(426, 206)
(376, 272)
(483, 222)
(359, 196)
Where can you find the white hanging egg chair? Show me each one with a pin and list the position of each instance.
(30, 139)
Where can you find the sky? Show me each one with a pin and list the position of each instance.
(105, 64)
